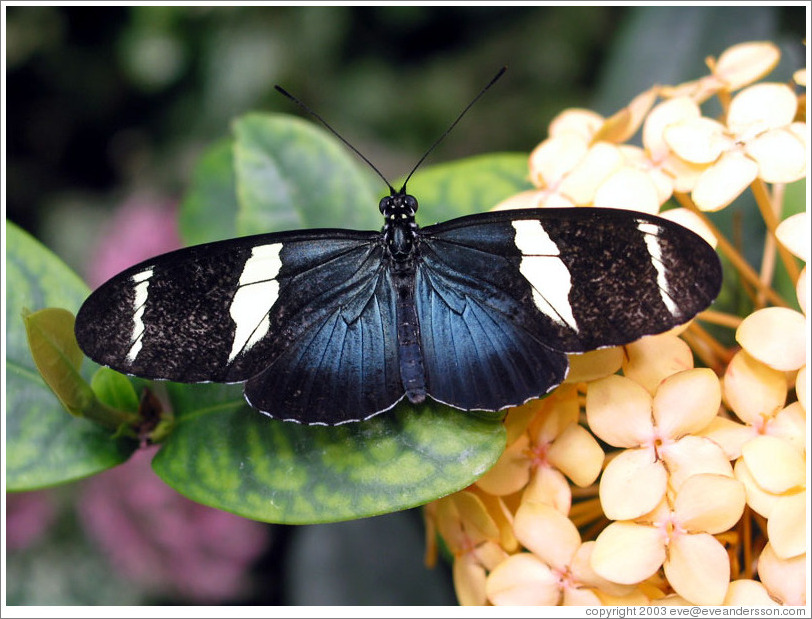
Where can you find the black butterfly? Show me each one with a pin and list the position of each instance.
(331, 326)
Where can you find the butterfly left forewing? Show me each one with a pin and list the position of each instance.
(221, 311)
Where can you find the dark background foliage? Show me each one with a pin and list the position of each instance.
(104, 104)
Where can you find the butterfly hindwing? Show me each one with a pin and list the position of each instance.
(475, 356)
(342, 368)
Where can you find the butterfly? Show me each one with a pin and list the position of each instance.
(330, 326)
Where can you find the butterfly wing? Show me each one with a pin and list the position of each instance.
(262, 305)
(501, 296)
(344, 367)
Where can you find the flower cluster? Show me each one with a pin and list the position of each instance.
(645, 478)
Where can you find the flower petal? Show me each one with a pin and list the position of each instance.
(548, 485)
(723, 182)
(629, 189)
(524, 199)
(618, 411)
(800, 387)
(511, 471)
(775, 336)
(729, 435)
(785, 579)
(577, 454)
(790, 425)
(584, 123)
(555, 157)
(522, 580)
(469, 581)
(489, 554)
(786, 526)
(558, 410)
(753, 390)
(628, 553)
(547, 533)
(583, 573)
(793, 233)
(698, 140)
(780, 155)
(594, 364)
(761, 107)
(686, 402)
(698, 568)
(759, 500)
(599, 162)
(692, 455)
(462, 520)
(775, 464)
(689, 219)
(624, 123)
(709, 503)
(664, 114)
(580, 596)
(800, 290)
(746, 592)
(652, 359)
(633, 483)
(745, 63)
(503, 518)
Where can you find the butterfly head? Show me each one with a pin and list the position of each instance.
(398, 207)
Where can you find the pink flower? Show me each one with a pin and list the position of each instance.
(139, 229)
(166, 542)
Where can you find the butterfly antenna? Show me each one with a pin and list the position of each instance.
(454, 124)
(335, 133)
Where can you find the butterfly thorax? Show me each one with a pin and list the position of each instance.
(400, 229)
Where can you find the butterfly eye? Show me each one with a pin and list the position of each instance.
(411, 204)
(384, 204)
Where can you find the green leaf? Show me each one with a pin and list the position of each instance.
(115, 390)
(224, 454)
(291, 174)
(44, 445)
(209, 208)
(467, 186)
(58, 357)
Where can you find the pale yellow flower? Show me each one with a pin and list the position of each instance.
(551, 446)
(736, 67)
(556, 570)
(656, 432)
(773, 472)
(678, 538)
(472, 536)
(759, 140)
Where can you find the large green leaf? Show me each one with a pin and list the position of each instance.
(292, 174)
(467, 186)
(209, 208)
(44, 444)
(224, 454)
